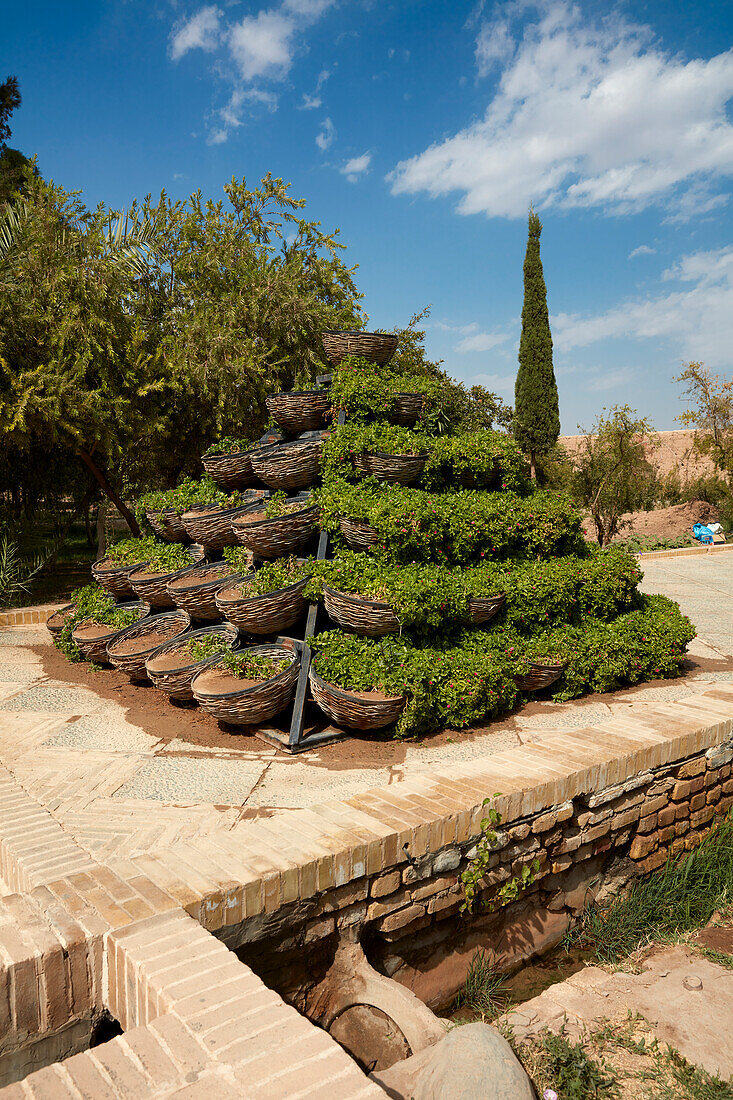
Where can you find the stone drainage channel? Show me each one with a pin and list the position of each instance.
(251, 961)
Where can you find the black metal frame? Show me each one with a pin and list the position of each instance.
(294, 741)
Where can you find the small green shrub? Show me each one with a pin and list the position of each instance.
(252, 666)
(206, 646)
(162, 557)
(491, 458)
(354, 439)
(92, 602)
(228, 445)
(184, 497)
(365, 391)
(483, 990)
(574, 1075)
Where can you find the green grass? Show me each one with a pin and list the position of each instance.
(688, 1081)
(721, 958)
(482, 990)
(571, 1071)
(680, 897)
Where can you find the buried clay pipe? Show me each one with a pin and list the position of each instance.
(351, 981)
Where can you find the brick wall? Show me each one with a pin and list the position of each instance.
(589, 846)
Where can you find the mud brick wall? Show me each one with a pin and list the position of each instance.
(589, 847)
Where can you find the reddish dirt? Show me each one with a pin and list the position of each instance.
(206, 575)
(217, 682)
(151, 639)
(675, 453)
(93, 630)
(717, 939)
(669, 523)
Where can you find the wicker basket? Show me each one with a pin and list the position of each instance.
(176, 622)
(167, 524)
(289, 465)
(406, 408)
(56, 622)
(358, 535)
(153, 587)
(300, 410)
(211, 525)
(116, 578)
(377, 347)
(269, 613)
(483, 608)
(397, 469)
(176, 682)
(231, 471)
(95, 649)
(252, 705)
(275, 538)
(346, 708)
(360, 615)
(198, 597)
(540, 675)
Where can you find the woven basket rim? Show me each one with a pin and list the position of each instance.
(548, 666)
(347, 695)
(378, 605)
(206, 584)
(229, 454)
(115, 568)
(499, 596)
(274, 519)
(299, 393)
(185, 638)
(255, 687)
(213, 508)
(359, 332)
(61, 611)
(155, 577)
(289, 444)
(163, 512)
(384, 454)
(266, 595)
(179, 615)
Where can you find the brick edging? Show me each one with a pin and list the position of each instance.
(24, 616)
(683, 551)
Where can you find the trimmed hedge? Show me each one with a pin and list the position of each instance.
(456, 527)
(471, 678)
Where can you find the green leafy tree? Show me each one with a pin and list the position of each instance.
(13, 163)
(710, 414)
(612, 472)
(536, 409)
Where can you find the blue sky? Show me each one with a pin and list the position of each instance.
(422, 129)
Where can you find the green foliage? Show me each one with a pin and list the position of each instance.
(356, 439)
(365, 391)
(472, 877)
(645, 644)
(185, 496)
(538, 593)
(10, 100)
(274, 575)
(482, 990)
(456, 527)
(536, 409)
(678, 898)
(573, 1074)
(161, 557)
(206, 646)
(612, 472)
(278, 504)
(710, 413)
(16, 573)
(643, 544)
(93, 603)
(228, 445)
(690, 1082)
(246, 665)
(491, 459)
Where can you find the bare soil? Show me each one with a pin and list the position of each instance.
(150, 639)
(664, 523)
(218, 682)
(675, 453)
(175, 658)
(94, 630)
(193, 580)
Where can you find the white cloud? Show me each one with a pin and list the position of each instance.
(586, 115)
(356, 167)
(481, 341)
(201, 32)
(696, 318)
(494, 45)
(262, 48)
(261, 45)
(311, 102)
(326, 134)
(642, 250)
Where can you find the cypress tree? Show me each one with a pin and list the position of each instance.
(536, 408)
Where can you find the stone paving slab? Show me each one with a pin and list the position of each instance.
(686, 998)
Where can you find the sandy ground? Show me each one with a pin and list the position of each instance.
(674, 453)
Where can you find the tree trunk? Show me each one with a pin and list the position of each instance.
(101, 539)
(533, 465)
(101, 478)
